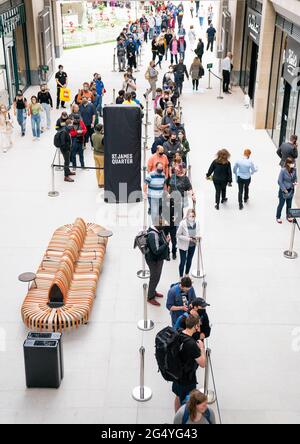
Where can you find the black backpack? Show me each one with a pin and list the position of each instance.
(168, 346)
(58, 139)
(141, 242)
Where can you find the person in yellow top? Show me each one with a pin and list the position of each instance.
(128, 100)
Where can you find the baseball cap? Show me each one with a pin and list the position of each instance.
(199, 302)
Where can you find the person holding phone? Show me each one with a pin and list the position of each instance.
(187, 235)
(287, 181)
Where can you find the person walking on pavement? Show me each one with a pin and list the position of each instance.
(174, 50)
(180, 70)
(20, 106)
(227, 68)
(211, 36)
(61, 81)
(35, 111)
(243, 170)
(192, 37)
(288, 149)
(45, 99)
(200, 49)
(6, 129)
(222, 176)
(196, 72)
(287, 181)
(158, 246)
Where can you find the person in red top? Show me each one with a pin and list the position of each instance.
(159, 157)
(77, 134)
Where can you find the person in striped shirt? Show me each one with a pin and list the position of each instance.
(155, 185)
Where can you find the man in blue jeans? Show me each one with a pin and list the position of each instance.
(155, 185)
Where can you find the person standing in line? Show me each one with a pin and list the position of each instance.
(168, 39)
(287, 181)
(152, 76)
(20, 110)
(288, 149)
(161, 50)
(78, 132)
(196, 411)
(98, 144)
(180, 297)
(198, 307)
(154, 188)
(195, 73)
(192, 355)
(243, 171)
(129, 85)
(158, 246)
(182, 47)
(131, 53)
(187, 235)
(211, 36)
(121, 54)
(192, 37)
(45, 99)
(158, 23)
(174, 49)
(100, 89)
(180, 14)
(62, 121)
(151, 21)
(6, 129)
(226, 68)
(158, 126)
(121, 97)
(35, 111)
(159, 157)
(222, 175)
(65, 148)
(61, 81)
(88, 115)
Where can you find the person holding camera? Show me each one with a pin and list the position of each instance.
(221, 173)
(192, 355)
(187, 235)
(180, 298)
(287, 181)
(198, 307)
(288, 149)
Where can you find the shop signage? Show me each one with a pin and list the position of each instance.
(292, 61)
(10, 19)
(254, 25)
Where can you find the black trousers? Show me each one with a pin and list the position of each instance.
(89, 133)
(220, 190)
(196, 84)
(210, 44)
(58, 102)
(226, 81)
(172, 231)
(155, 275)
(132, 62)
(66, 155)
(243, 189)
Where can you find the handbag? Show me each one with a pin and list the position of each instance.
(65, 94)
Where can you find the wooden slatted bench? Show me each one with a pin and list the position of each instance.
(66, 279)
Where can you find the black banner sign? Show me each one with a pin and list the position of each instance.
(292, 61)
(253, 25)
(123, 153)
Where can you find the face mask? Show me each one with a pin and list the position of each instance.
(292, 165)
(160, 154)
(159, 171)
(173, 141)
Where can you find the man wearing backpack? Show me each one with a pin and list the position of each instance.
(192, 354)
(180, 298)
(63, 139)
(158, 247)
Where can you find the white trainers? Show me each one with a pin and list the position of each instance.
(279, 221)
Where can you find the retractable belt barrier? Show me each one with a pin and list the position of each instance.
(220, 96)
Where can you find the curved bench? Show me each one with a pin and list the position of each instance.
(66, 279)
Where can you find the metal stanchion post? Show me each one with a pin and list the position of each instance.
(205, 390)
(114, 61)
(190, 172)
(53, 193)
(291, 254)
(145, 324)
(142, 393)
(114, 96)
(204, 287)
(60, 167)
(209, 79)
(148, 123)
(199, 273)
(220, 97)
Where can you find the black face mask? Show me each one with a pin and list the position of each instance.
(201, 311)
(173, 141)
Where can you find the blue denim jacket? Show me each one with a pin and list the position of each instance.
(286, 180)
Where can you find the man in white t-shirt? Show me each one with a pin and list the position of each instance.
(227, 68)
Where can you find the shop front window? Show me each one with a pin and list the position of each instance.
(4, 97)
(21, 58)
(281, 93)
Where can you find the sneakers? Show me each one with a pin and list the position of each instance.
(217, 207)
(290, 220)
(241, 206)
(174, 256)
(224, 200)
(154, 303)
(68, 179)
(279, 221)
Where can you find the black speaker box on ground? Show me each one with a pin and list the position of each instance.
(52, 337)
